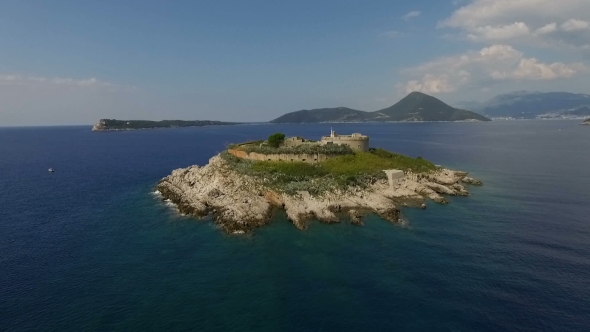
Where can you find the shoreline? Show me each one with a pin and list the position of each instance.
(241, 203)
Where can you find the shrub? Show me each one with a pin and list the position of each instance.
(275, 140)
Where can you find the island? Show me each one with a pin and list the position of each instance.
(113, 125)
(415, 107)
(336, 178)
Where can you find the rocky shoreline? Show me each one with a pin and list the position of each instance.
(240, 203)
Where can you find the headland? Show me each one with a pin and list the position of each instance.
(114, 125)
(336, 178)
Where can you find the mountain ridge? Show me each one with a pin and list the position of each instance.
(530, 105)
(415, 107)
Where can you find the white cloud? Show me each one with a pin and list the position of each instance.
(411, 15)
(490, 64)
(431, 84)
(532, 69)
(575, 25)
(63, 81)
(549, 28)
(505, 32)
(547, 23)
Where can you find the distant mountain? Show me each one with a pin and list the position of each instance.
(467, 105)
(338, 114)
(416, 106)
(530, 105)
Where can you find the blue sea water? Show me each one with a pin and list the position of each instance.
(91, 248)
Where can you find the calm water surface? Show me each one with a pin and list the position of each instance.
(90, 248)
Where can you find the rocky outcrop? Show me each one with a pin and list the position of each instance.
(471, 181)
(99, 126)
(240, 203)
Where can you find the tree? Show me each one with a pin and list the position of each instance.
(276, 139)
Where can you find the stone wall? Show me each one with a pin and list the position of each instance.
(306, 158)
(355, 143)
(297, 141)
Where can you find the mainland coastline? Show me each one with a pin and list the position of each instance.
(337, 178)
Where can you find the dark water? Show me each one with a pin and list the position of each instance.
(90, 248)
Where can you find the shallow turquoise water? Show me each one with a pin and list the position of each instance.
(91, 248)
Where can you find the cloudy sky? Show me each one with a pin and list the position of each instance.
(73, 62)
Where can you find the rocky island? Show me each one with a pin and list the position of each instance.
(113, 125)
(338, 177)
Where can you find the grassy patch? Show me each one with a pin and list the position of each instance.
(374, 161)
(340, 172)
(290, 169)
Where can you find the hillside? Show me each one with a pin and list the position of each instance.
(530, 105)
(339, 114)
(416, 106)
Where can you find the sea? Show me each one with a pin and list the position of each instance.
(91, 247)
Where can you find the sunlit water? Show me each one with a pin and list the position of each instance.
(91, 248)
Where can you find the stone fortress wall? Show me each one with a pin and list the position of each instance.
(306, 158)
(356, 141)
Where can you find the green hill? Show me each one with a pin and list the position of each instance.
(339, 114)
(414, 107)
(418, 106)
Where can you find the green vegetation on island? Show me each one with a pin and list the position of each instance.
(112, 124)
(275, 140)
(343, 169)
(416, 106)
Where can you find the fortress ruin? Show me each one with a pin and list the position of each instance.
(356, 141)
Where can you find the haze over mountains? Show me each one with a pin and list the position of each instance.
(531, 105)
(416, 106)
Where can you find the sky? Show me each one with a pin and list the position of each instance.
(74, 62)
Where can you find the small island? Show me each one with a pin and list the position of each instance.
(336, 178)
(113, 125)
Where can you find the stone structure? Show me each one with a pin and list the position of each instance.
(296, 141)
(394, 176)
(306, 158)
(356, 141)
